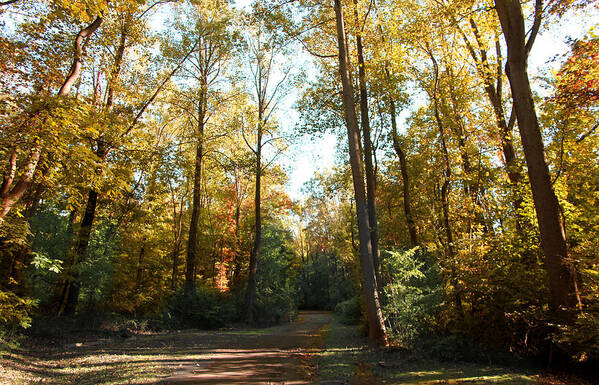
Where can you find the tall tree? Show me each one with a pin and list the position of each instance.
(116, 129)
(376, 327)
(265, 48)
(368, 148)
(551, 228)
(206, 67)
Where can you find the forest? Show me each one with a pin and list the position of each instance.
(146, 153)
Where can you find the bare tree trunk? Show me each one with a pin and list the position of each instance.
(237, 262)
(10, 196)
(403, 165)
(553, 237)
(376, 326)
(255, 254)
(75, 70)
(368, 154)
(192, 243)
(70, 294)
(178, 231)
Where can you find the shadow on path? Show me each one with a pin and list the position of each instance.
(283, 354)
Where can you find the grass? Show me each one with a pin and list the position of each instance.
(347, 357)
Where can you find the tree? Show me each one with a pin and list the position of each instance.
(115, 127)
(268, 79)
(368, 148)
(553, 236)
(376, 326)
(11, 190)
(213, 42)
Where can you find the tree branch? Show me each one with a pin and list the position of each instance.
(535, 25)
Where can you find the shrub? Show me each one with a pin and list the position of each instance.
(413, 294)
(580, 339)
(14, 310)
(276, 289)
(205, 308)
(349, 311)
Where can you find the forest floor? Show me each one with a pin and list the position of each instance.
(314, 349)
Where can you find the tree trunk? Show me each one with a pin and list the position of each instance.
(10, 196)
(553, 237)
(192, 243)
(368, 154)
(403, 165)
(70, 293)
(255, 254)
(447, 165)
(75, 70)
(237, 262)
(178, 231)
(376, 326)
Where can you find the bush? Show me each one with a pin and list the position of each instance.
(205, 308)
(458, 348)
(349, 311)
(324, 282)
(580, 339)
(274, 308)
(413, 294)
(276, 288)
(14, 310)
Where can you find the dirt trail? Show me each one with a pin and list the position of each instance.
(279, 355)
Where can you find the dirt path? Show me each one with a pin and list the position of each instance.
(279, 355)
(283, 354)
(288, 354)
